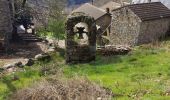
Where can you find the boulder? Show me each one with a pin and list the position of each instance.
(51, 49)
(18, 64)
(43, 57)
(29, 62)
(12, 65)
(12, 69)
(8, 66)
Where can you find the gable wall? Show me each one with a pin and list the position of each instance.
(125, 27)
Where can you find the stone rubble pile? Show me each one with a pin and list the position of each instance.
(110, 50)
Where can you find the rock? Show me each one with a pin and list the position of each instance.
(42, 57)
(12, 69)
(51, 49)
(45, 41)
(18, 64)
(12, 65)
(8, 66)
(29, 62)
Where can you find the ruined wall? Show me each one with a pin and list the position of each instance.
(76, 52)
(5, 21)
(152, 30)
(125, 27)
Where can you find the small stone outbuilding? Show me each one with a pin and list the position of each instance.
(5, 23)
(139, 23)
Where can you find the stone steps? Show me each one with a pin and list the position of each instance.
(29, 37)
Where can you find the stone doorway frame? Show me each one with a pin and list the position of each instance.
(74, 51)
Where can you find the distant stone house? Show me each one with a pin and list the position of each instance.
(102, 18)
(5, 22)
(139, 23)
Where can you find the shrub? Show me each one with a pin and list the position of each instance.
(53, 89)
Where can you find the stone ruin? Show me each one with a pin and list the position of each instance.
(80, 38)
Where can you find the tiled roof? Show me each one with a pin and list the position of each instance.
(91, 10)
(149, 11)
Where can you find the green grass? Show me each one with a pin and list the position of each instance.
(143, 74)
(28, 76)
(8, 85)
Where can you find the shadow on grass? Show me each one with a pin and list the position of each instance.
(61, 52)
(105, 60)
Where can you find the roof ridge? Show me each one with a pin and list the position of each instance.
(149, 11)
(138, 4)
(95, 7)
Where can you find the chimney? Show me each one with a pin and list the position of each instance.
(149, 1)
(107, 10)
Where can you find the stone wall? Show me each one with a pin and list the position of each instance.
(5, 22)
(153, 30)
(125, 27)
(75, 52)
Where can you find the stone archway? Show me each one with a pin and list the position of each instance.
(75, 52)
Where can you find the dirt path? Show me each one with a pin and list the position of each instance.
(20, 52)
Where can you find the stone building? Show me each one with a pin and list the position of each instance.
(139, 23)
(5, 22)
(102, 17)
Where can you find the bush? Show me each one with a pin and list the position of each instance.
(52, 89)
(55, 29)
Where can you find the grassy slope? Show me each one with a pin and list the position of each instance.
(143, 74)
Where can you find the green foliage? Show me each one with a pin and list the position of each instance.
(55, 29)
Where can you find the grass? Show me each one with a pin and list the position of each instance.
(8, 85)
(143, 74)
(27, 77)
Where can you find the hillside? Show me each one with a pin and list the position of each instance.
(143, 74)
(96, 2)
